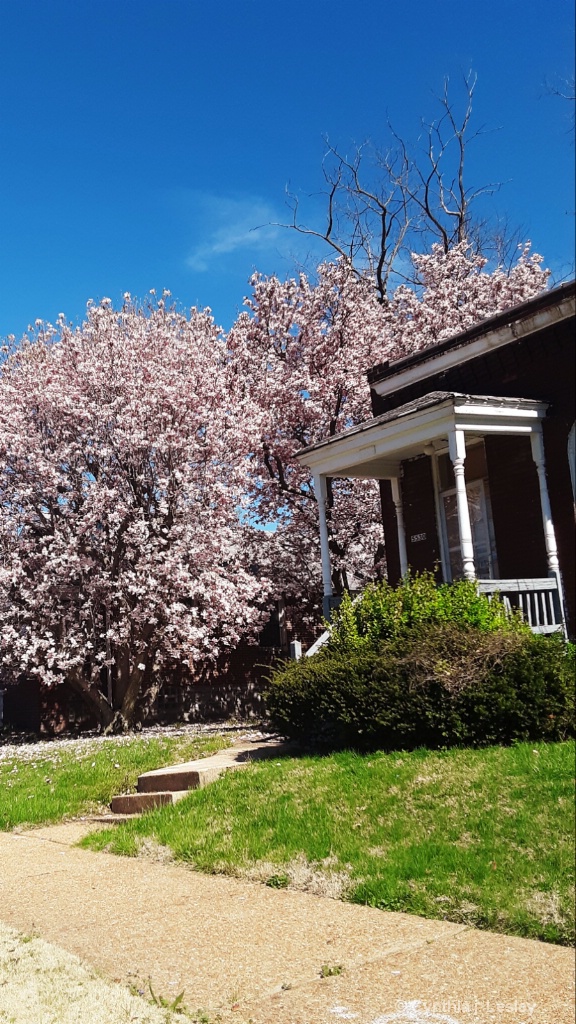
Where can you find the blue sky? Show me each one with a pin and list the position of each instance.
(143, 141)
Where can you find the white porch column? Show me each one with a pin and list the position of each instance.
(397, 499)
(537, 442)
(320, 492)
(457, 448)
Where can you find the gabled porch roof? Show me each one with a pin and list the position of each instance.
(376, 447)
(438, 422)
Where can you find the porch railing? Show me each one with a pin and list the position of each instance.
(537, 599)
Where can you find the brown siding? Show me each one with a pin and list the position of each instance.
(420, 514)
(541, 366)
(515, 499)
(393, 571)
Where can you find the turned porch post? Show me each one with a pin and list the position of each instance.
(397, 499)
(457, 448)
(537, 442)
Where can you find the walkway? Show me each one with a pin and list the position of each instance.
(249, 952)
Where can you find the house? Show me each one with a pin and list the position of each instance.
(473, 443)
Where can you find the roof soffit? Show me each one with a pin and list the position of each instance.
(376, 448)
(495, 333)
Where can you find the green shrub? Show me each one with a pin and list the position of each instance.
(440, 685)
(383, 613)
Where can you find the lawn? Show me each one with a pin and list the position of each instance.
(52, 780)
(483, 837)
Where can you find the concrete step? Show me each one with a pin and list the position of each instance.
(185, 776)
(167, 785)
(112, 819)
(136, 803)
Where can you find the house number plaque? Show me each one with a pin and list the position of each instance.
(416, 537)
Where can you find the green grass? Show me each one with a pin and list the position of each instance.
(477, 836)
(49, 781)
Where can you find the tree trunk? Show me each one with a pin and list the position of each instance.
(122, 676)
(93, 697)
(130, 685)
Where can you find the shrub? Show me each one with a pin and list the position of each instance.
(384, 613)
(437, 686)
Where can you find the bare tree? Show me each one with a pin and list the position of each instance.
(380, 204)
(564, 89)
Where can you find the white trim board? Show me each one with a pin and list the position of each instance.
(375, 451)
(487, 342)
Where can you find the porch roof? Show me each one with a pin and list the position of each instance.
(374, 448)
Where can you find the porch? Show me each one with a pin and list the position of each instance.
(464, 491)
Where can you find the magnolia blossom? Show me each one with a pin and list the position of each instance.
(140, 451)
(456, 293)
(123, 463)
(303, 349)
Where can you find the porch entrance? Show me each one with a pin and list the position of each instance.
(480, 511)
(482, 533)
(449, 428)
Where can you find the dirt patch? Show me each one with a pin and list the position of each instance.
(152, 850)
(299, 873)
(546, 907)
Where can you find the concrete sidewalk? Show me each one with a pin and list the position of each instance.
(245, 952)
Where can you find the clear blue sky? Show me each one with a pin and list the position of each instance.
(142, 140)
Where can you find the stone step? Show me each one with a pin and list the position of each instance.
(136, 803)
(186, 776)
(167, 785)
(110, 818)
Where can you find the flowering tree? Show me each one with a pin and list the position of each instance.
(304, 349)
(122, 469)
(138, 451)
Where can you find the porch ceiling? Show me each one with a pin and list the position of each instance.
(376, 447)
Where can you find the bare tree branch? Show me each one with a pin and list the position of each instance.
(382, 205)
(565, 89)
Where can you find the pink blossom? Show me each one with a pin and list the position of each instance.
(302, 350)
(122, 465)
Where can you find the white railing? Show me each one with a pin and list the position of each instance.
(538, 600)
(322, 639)
(330, 603)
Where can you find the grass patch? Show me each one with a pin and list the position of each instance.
(476, 836)
(50, 781)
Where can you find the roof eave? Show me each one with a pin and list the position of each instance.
(512, 325)
(376, 447)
